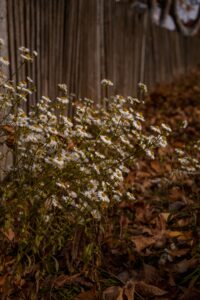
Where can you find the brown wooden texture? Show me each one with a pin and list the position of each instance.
(80, 42)
(6, 160)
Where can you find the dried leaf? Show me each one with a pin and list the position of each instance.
(142, 242)
(191, 294)
(65, 280)
(179, 252)
(2, 280)
(176, 194)
(113, 293)
(143, 213)
(156, 166)
(10, 234)
(129, 290)
(186, 235)
(184, 265)
(165, 216)
(118, 293)
(89, 295)
(150, 274)
(148, 290)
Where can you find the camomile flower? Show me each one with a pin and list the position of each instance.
(62, 100)
(137, 125)
(43, 118)
(166, 127)
(2, 43)
(150, 153)
(106, 82)
(4, 61)
(105, 139)
(102, 196)
(58, 162)
(155, 129)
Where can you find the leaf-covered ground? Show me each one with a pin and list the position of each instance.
(151, 247)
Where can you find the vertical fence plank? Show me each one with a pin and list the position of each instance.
(6, 162)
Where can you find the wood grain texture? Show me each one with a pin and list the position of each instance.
(82, 41)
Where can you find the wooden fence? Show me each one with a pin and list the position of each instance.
(82, 41)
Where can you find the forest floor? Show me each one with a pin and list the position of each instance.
(152, 249)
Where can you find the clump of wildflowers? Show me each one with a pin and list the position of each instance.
(98, 148)
(66, 174)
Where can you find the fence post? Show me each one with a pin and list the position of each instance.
(7, 160)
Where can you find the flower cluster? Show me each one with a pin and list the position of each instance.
(84, 161)
(66, 172)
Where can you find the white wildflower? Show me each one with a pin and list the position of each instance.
(35, 53)
(150, 153)
(52, 144)
(130, 196)
(184, 161)
(9, 87)
(61, 185)
(29, 79)
(26, 57)
(99, 155)
(132, 100)
(184, 124)
(4, 61)
(43, 118)
(24, 49)
(155, 129)
(137, 125)
(143, 87)
(73, 194)
(46, 99)
(102, 196)
(179, 152)
(106, 82)
(161, 141)
(63, 87)
(62, 100)
(116, 197)
(166, 127)
(117, 175)
(54, 201)
(139, 116)
(96, 214)
(126, 114)
(105, 139)
(2, 43)
(23, 89)
(66, 121)
(58, 162)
